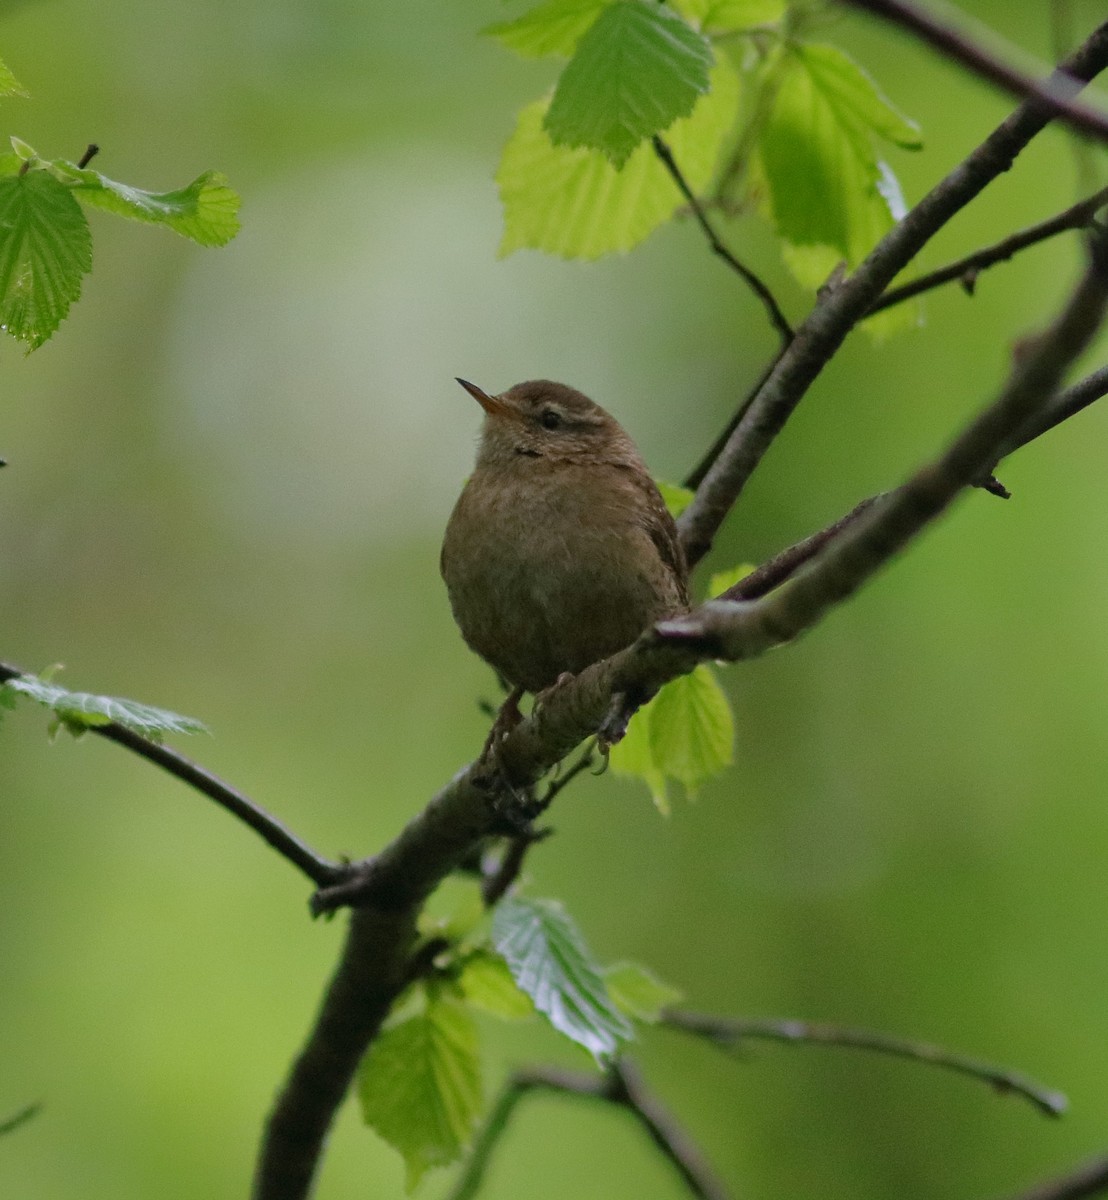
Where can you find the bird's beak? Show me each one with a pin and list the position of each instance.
(493, 405)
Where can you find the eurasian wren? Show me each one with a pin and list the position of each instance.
(560, 550)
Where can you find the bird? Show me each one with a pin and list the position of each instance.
(560, 550)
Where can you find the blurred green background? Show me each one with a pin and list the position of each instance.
(228, 478)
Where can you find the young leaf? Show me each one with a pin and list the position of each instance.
(420, 1085)
(633, 755)
(677, 498)
(45, 252)
(78, 711)
(638, 992)
(826, 190)
(550, 962)
(691, 729)
(9, 85)
(553, 28)
(205, 211)
(637, 69)
(486, 983)
(574, 203)
(685, 733)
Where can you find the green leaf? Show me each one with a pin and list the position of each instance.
(574, 203)
(722, 580)
(639, 993)
(550, 962)
(205, 211)
(420, 1085)
(637, 69)
(9, 85)
(677, 497)
(633, 755)
(691, 728)
(854, 96)
(79, 711)
(830, 197)
(553, 28)
(45, 252)
(685, 733)
(486, 982)
(724, 16)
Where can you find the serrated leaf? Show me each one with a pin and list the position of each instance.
(691, 728)
(574, 203)
(639, 992)
(722, 580)
(826, 190)
(206, 210)
(486, 982)
(637, 69)
(676, 497)
(420, 1085)
(854, 95)
(78, 711)
(633, 755)
(553, 28)
(45, 252)
(725, 16)
(9, 85)
(549, 961)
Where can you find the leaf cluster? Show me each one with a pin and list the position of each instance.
(421, 1082)
(756, 114)
(45, 241)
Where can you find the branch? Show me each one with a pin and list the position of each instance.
(1053, 95)
(841, 307)
(729, 1033)
(1088, 1180)
(389, 889)
(773, 310)
(10, 1124)
(784, 565)
(966, 270)
(318, 869)
(622, 1086)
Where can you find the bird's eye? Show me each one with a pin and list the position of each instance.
(550, 419)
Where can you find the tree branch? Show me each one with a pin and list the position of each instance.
(841, 307)
(1053, 95)
(620, 1085)
(774, 571)
(773, 310)
(389, 889)
(12, 1123)
(966, 270)
(1091, 1179)
(729, 1033)
(321, 871)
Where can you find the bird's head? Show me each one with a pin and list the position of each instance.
(540, 419)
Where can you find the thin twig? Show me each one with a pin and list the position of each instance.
(966, 270)
(1090, 1179)
(840, 308)
(318, 869)
(783, 565)
(1054, 94)
(91, 151)
(20, 1118)
(773, 310)
(730, 1033)
(620, 1085)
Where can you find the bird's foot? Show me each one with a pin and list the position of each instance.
(507, 719)
(614, 726)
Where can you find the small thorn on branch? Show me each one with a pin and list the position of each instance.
(91, 151)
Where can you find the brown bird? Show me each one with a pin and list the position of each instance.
(560, 550)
